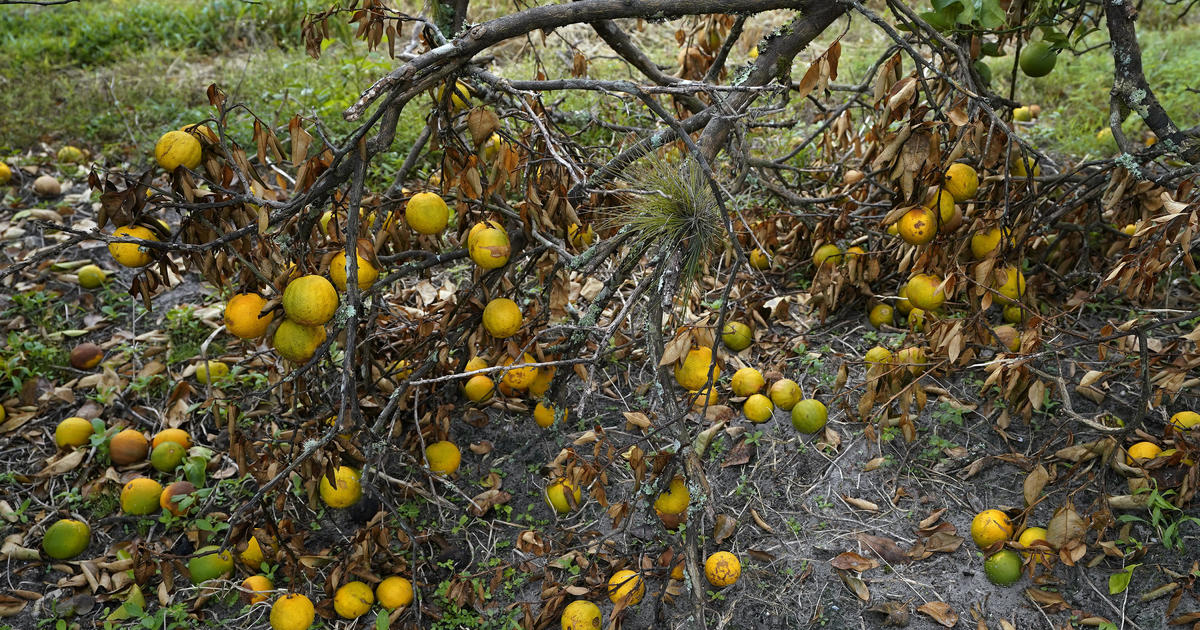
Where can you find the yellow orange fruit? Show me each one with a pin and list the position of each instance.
(1009, 337)
(747, 381)
(292, 612)
(444, 457)
(427, 213)
(489, 248)
(1030, 536)
(353, 599)
(296, 342)
(722, 569)
(943, 201)
(258, 587)
(580, 238)
(140, 496)
(675, 499)
(962, 182)
(346, 489)
(918, 226)
(394, 592)
(201, 131)
(543, 415)
(5, 174)
(916, 320)
(128, 447)
(809, 416)
(132, 254)
(211, 371)
(737, 336)
(243, 316)
(479, 388)
(785, 393)
(759, 260)
(878, 355)
(990, 527)
(73, 432)
(310, 300)
(90, 276)
(564, 495)
(580, 615)
(758, 408)
(1142, 451)
(1013, 286)
(913, 358)
(177, 148)
(519, 378)
(984, 243)
(339, 270)
(693, 373)
(827, 253)
(1022, 166)
(253, 555)
(626, 586)
(541, 383)
(66, 538)
(502, 318)
(880, 315)
(1186, 420)
(179, 436)
(925, 292)
(1003, 568)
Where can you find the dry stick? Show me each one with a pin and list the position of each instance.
(718, 63)
(624, 46)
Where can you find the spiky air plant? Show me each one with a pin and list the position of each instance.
(675, 219)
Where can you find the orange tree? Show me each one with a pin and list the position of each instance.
(631, 236)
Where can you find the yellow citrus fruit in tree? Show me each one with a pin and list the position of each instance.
(211, 372)
(491, 148)
(242, 316)
(5, 174)
(747, 381)
(722, 569)
(1009, 337)
(339, 270)
(66, 539)
(70, 154)
(785, 393)
(258, 586)
(878, 355)
(1013, 286)
(480, 227)
(916, 320)
(502, 318)
(1185, 420)
(201, 131)
(348, 489)
(984, 243)
(580, 238)
(310, 300)
(1022, 114)
(543, 415)
(881, 314)
(479, 388)
(520, 378)
(893, 229)
(1038, 59)
(918, 226)
(128, 447)
(990, 527)
(140, 496)
(912, 357)
(827, 253)
(563, 495)
(427, 213)
(693, 373)
(178, 436)
(1130, 229)
(924, 292)
(903, 304)
(167, 456)
(1003, 568)
(90, 276)
(626, 586)
(1014, 314)
(353, 599)
(75, 431)
(132, 254)
(177, 148)
(737, 336)
(173, 495)
(809, 416)
(252, 556)
(394, 592)
(675, 499)
(944, 202)
(297, 342)
(490, 248)
(759, 260)
(444, 457)
(1030, 536)
(1142, 451)
(292, 612)
(1021, 166)
(459, 96)
(758, 408)
(580, 615)
(541, 383)
(962, 182)
(476, 363)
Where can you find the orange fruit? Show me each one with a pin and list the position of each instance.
(72, 432)
(66, 539)
(1185, 419)
(292, 612)
(758, 408)
(626, 586)
(346, 492)
(179, 436)
(90, 276)
(177, 148)
(339, 270)
(1003, 568)
(489, 248)
(747, 381)
(296, 342)
(310, 300)
(924, 292)
(1038, 59)
(881, 314)
(693, 373)
(990, 527)
(961, 181)
(759, 260)
(809, 416)
(737, 336)
(722, 569)
(444, 457)
(543, 415)
(827, 253)
(580, 615)
(171, 496)
(479, 388)
(502, 318)
(128, 447)
(1030, 536)
(563, 495)
(1013, 286)
(519, 378)
(394, 592)
(984, 243)
(141, 496)
(944, 202)
(427, 213)
(258, 587)
(785, 393)
(132, 254)
(1142, 451)
(167, 456)
(353, 599)
(242, 316)
(918, 226)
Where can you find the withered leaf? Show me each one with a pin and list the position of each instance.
(853, 562)
(856, 585)
(1035, 481)
(885, 548)
(724, 527)
(894, 613)
(941, 612)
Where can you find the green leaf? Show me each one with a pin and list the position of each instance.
(991, 16)
(1118, 582)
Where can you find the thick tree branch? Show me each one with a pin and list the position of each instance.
(620, 42)
(1133, 90)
